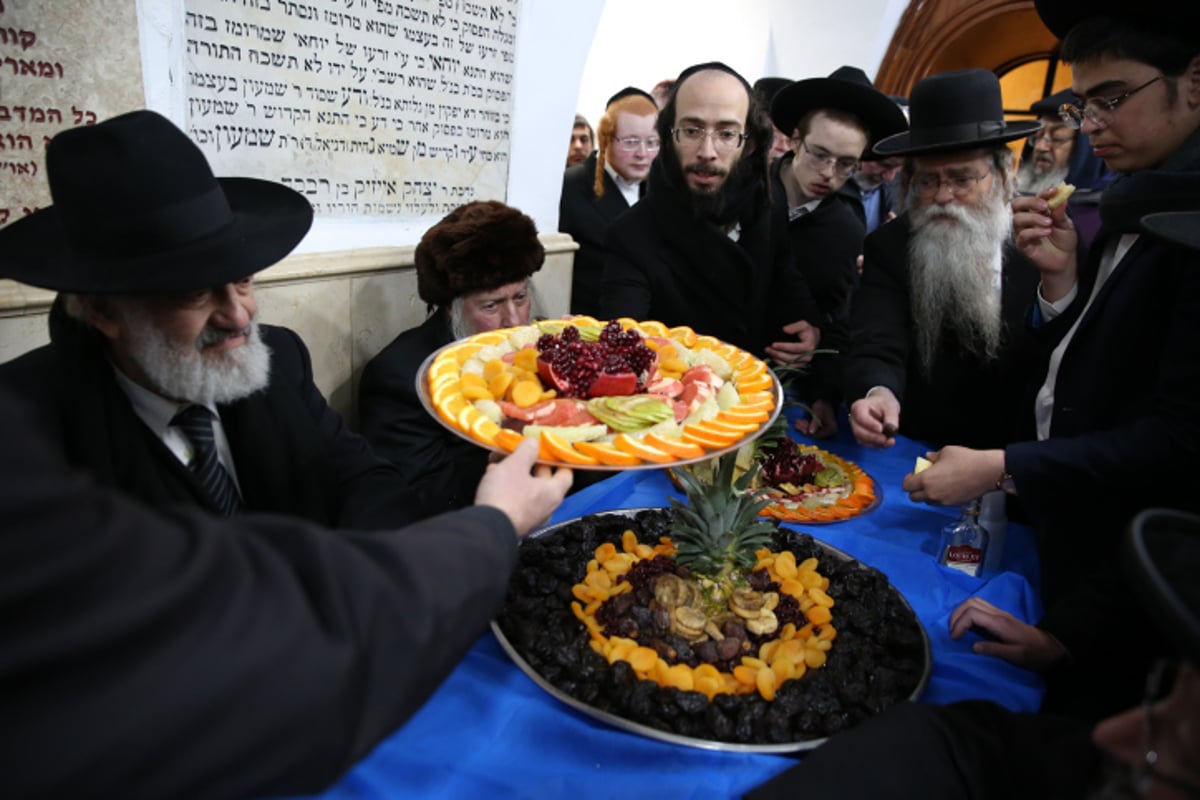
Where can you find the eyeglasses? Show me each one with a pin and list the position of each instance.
(631, 144)
(928, 184)
(1050, 139)
(819, 159)
(723, 139)
(1158, 684)
(1097, 109)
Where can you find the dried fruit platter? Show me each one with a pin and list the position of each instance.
(601, 395)
(881, 655)
(807, 484)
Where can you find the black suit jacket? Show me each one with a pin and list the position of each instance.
(446, 466)
(171, 653)
(665, 264)
(587, 217)
(293, 454)
(964, 401)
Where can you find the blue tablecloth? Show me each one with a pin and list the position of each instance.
(489, 731)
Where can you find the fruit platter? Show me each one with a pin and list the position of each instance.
(706, 625)
(601, 395)
(802, 482)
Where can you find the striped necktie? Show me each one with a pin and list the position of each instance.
(196, 423)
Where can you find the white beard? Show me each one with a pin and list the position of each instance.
(952, 276)
(188, 374)
(460, 326)
(1029, 181)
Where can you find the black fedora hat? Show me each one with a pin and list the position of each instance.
(1163, 559)
(769, 86)
(953, 111)
(137, 210)
(1060, 16)
(1048, 106)
(846, 89)
(1178, 227)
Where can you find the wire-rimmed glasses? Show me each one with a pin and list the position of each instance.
(1099, 110)
(631, 144)
(723, 139)
(820, 158)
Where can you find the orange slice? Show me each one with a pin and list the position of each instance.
(654, 328)
(731, 426)
(555, 448)
(757, 384)
(759, 398)
(708, 437)
(484, 429)
(508, 440)
(752, 370)
(676, 447)
(637, 447)
(449, 408)
(683, 334)
(607, 454)
(489, 337)
(739, 415)
(707, 343)
(583, 320)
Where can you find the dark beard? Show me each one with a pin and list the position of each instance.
(721, 207)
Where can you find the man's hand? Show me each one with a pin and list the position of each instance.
(822, 424)
(1048, 239)
(527, 499)
(1016, 642)
(875, 418)
(796, 352)
(958, 474)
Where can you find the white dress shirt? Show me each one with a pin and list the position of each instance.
(630, 191)
(1043, 408)
(157, 412)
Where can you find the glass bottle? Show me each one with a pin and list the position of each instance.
(966, 541)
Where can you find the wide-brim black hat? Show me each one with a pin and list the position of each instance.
(137, 210)
(770, 86)
(1048, 106)
(1162, 556)
(846, 89)
(1060, 16)
(953, 111)
(1178, 227)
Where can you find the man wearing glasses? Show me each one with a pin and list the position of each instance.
(830, 123)
(700, 249)
(1058, 153)
(605, 185)
(936, 324)
(1115, 401)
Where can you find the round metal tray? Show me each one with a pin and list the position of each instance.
(427, 403)
(668, 736)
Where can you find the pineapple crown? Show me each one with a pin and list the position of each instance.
(718, 531)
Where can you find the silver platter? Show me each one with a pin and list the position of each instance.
(668, 736)
(427, 402)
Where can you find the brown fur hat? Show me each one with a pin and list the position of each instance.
(476, 247)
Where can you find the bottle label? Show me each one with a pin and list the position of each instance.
(964, 558)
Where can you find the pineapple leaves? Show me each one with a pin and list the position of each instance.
(718, 530)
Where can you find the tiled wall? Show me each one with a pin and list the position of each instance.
(346, 307)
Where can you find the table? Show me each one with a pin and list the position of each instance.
(489, 731)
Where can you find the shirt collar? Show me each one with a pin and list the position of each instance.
(153, 409)
(629, 190)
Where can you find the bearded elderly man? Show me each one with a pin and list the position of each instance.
(158, 378)
(937, 332)
(702, 248)
(473, 271)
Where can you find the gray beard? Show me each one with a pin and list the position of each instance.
(190, 375)
(957, 293)
(1029, 181)
(460, 328)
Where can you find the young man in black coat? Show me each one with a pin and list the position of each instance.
(158, 379)
(830, 123)
(1116, 404)
(607, 184)
(701, 249)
